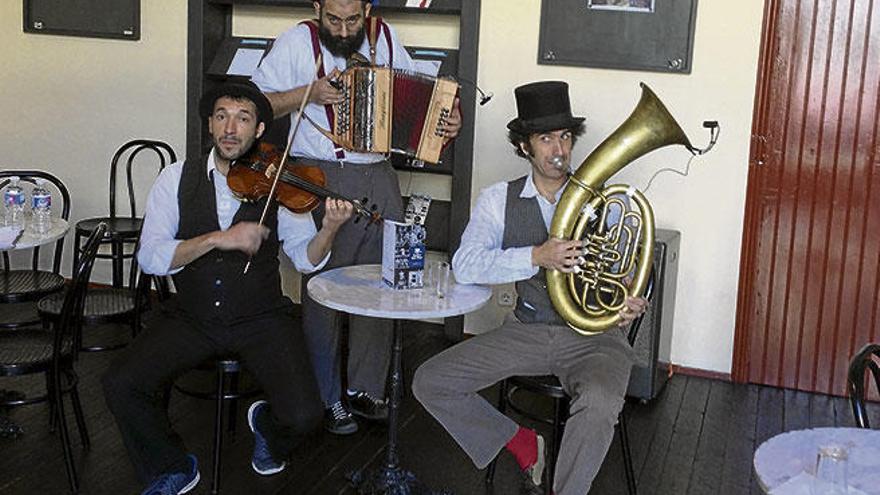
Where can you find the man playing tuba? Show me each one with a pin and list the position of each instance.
(507, 241)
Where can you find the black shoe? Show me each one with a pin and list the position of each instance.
(366, 406)
(338, 420)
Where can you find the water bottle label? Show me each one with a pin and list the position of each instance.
(41, 201)
(13, 198)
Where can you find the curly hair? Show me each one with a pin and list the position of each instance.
(520, 138)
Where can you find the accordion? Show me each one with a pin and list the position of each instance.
(392, 111)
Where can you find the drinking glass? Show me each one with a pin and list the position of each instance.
(441, 278)
(830, 471)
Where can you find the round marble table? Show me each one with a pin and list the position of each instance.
(360, 290)
(787, 461)
(29, 239)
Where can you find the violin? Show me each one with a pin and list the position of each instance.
(300, 188)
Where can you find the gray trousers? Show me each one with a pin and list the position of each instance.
(593, 370)
(369, 341)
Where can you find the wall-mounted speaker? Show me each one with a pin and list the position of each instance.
(654, 340)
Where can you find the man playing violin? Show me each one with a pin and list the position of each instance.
(339, 35)
(198, 232)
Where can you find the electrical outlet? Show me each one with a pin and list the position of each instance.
(506, 298)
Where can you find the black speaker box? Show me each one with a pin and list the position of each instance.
(654, 340)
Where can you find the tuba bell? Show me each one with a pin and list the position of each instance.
(617, 257)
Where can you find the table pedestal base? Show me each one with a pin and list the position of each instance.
(389, 481)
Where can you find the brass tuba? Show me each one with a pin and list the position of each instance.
(591, 297)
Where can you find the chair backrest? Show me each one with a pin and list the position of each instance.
(62, 207)
(129, 151)
(69, 324)
(865, 360)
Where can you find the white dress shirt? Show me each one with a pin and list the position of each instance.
(291, 64)
(480, 259)
(162, 218)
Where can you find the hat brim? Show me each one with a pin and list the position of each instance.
(544, 124)
(237, 90)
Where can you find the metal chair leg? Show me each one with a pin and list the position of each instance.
(57, 397)
(50, 392)
(627, 454)
(78, 414)
(218, 430)
(502, 407)
(233, 403)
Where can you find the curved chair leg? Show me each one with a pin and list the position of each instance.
(78, 414)
(627, 454)
(57, 397)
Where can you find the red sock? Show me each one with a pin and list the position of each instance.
(524, 447)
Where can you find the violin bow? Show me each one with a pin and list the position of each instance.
(296, 122)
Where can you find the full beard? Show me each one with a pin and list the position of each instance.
(339, 46)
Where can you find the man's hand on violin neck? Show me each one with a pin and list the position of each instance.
(336, 213)
(243, 236)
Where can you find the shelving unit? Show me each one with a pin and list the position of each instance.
(210, 24)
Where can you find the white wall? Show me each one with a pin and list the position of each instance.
(70, 102)
(74, 100)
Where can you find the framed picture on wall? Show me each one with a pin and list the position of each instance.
(622, 5)
(648, 35)
(120, 19)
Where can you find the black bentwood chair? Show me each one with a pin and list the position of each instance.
(549, 386)
(122, 231)
(20, 289)
(865, 360)
(106, 305)
(54, 353)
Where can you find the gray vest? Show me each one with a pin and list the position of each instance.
(523, 215)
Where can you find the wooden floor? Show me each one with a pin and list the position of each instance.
(697, 437)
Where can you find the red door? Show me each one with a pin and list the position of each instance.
(809, 291)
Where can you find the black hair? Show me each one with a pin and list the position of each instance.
(520, 139)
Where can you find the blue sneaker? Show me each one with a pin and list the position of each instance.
(175, 483)
(262, 462)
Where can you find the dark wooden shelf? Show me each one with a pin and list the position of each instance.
(447, 7)
(211, 44)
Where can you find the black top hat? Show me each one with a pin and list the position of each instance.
(244, 89)
(543, 106)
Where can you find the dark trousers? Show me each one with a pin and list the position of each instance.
(369, 341)
(271, 346)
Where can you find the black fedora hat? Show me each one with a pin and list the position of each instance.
(243, 89)
(543, 106)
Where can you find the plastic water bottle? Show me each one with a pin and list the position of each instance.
(13, 201)
(41, 208)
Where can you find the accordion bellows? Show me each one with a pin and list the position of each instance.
(393, 111)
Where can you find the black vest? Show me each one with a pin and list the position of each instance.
(213, 287)
(528, 229)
